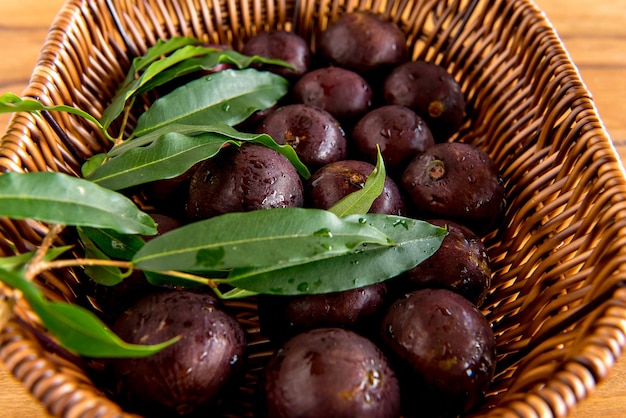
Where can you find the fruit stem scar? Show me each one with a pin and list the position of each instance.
(436, 169)
(435, 108)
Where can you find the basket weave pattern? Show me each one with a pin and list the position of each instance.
(557, 304)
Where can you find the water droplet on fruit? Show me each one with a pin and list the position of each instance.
(234, 359)
(471, 179)
(226, 107)
(303, 287)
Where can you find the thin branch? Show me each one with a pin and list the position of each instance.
(32, 268)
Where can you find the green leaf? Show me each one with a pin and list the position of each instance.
(414, 240)
(255, 238)
(16, 262)
(169, 156)
(92, 164)
(131, 87)
(104, 275)
(114, 244)
(63, 199)
(228, 97)
(361, 200)
(10, 103)
(173, 151)
(208, 61)
(76, 328)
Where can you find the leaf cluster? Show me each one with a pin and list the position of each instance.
(275, 251)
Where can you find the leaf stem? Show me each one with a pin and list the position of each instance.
(77, 262)
(33, 266)
(212, 283)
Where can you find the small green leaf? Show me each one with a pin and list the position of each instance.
(76, 328)
(228, 97)
(361, 200)
(63, 199)
(10, 103)
(414, 241)
(92, 164)
(255, 238)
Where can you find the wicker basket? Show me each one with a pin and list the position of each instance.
(558, 303)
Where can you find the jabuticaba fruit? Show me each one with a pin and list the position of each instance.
(431, 91)
(443, 350)
(242, 179)
(455, 181)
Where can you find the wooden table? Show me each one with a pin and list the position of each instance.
(594, 33)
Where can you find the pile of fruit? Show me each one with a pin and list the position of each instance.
(415, 344)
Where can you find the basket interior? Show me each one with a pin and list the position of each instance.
(557, 303)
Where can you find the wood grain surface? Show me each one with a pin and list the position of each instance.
(594, 33)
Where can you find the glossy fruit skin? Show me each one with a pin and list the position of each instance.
(343, 93)
(461, 264)
(431, 92)
(399, 132)
(189, 375)
(315, 135)
(329, 372)
(242, 179)
(456, 181)
(363, 42)
(443, 349)
(334, 181)
(359, 310)
(283, 45)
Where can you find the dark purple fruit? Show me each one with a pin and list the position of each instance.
(461, 264)
(342, 93)
(399, 132)
(242, 179)
(336, 180)
(165, 223)
(443, 350)
(432, 92)
(455, 181)
(359, 310)
(189, 375)
(363, 42)
(329, 372)
(282, 45)
(315, 135)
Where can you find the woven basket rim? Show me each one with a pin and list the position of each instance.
(577, 375)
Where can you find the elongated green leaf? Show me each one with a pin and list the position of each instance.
(254, 239)
(169, 156)
(10, 103)
(208, 61)
(414, 241)
(361, 200)
(152, 69)
(16, 262)
(62, 199)
(154, 53)
(228, 96)
(141, 158)
(76, 328)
